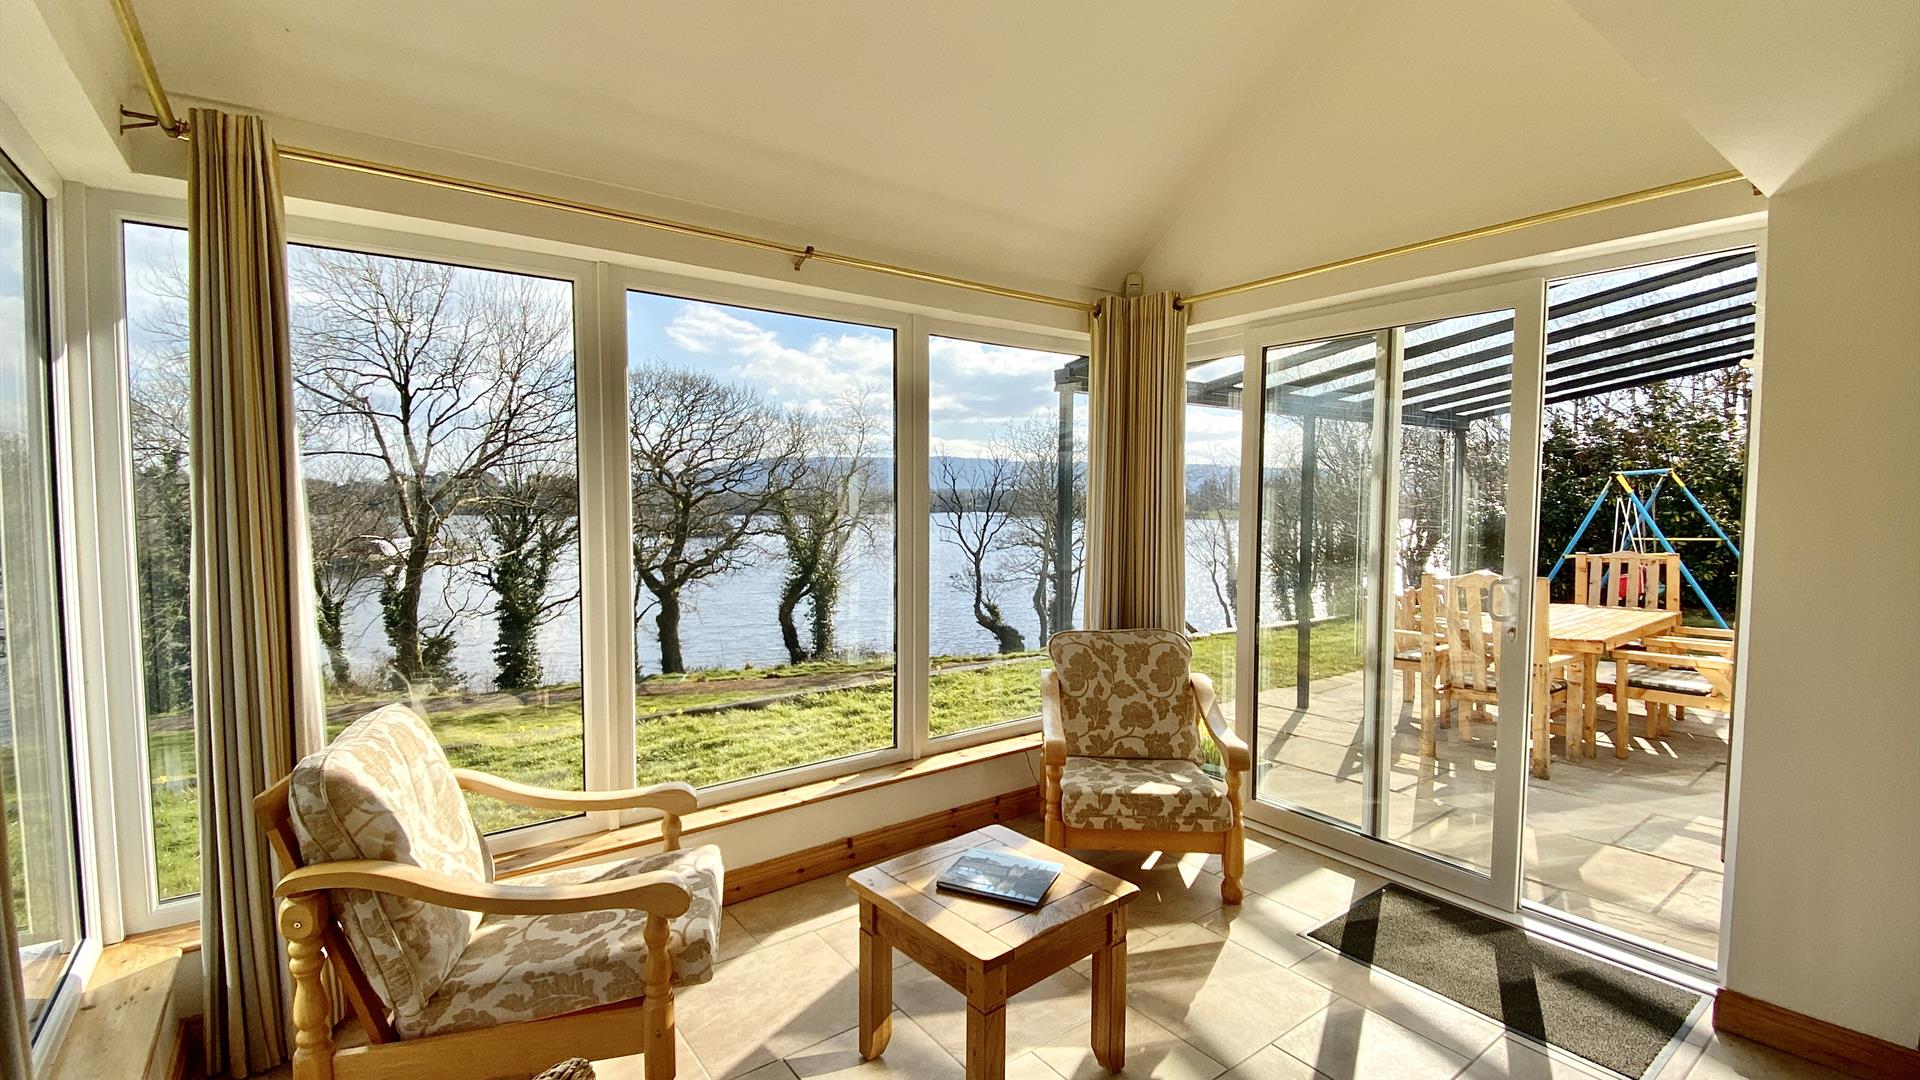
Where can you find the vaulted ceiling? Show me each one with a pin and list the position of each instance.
(1066, 142)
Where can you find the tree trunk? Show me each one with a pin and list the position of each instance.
(666, 623)
(402, 614)
(825, 591)
(333, 636)
(790, 594)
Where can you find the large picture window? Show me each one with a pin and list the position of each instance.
(761, 451)
(1007, 476)
(438, 437)
(36, 772)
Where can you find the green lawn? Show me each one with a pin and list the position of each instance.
(800, 714)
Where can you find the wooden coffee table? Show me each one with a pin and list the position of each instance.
(990, 951)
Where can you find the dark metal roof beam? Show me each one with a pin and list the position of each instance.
(1648, 371)
(1670, 350)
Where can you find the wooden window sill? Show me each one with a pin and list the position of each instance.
(630, 837)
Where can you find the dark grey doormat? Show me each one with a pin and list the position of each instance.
(1581, 1004)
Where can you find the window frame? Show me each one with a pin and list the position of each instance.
(600, 369)
(50, 285)
(979, 334)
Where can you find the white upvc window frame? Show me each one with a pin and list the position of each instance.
(1043, 341)
(600, 366)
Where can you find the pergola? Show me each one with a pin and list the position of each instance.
(1605, 332)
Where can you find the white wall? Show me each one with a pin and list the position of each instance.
(1825, 830)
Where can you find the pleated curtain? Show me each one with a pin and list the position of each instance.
(1136, 492)
(256, 688)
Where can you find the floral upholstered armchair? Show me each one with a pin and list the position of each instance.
(1121, 712)
(450, 972)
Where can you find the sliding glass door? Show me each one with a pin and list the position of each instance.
(1382, 568)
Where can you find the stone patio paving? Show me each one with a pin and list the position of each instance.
(1633, 845)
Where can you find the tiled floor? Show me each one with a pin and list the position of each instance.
(1633, 845)
(1212, 992)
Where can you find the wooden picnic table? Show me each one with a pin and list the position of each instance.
(1593, 633)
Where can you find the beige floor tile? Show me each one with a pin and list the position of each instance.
(1695, 905)
(734, 938)
(910, 1053)
(1625, 920)
(1516, 1059)
(1172, 892)
(798, 909)
(768, 1003)
(1035, 1017)
(1152, 1051)
(1227, 1001)
(1345, 1041)
(1028, 1066)
(1446, 1023)
(844, 938)
(1617, 875)
(776, 1070)
(1309, 882)
(1268, 927)
(1273, 1063)
(1728, 1056)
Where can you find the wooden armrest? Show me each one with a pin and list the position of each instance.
(659, 892)
(1053, 740)
(669, 799)
(1673, 660)
(1715, 646)
(1562, 659)
(1232, 749)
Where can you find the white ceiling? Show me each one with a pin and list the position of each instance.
(1044, 144)
(1054, 138)
(1791, 93)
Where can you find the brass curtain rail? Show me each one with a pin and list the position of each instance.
(1680, 187)
(164, 118)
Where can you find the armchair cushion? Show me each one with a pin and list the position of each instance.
(1164, 795)
(1125, 694)
(525, 967)
(383, 789)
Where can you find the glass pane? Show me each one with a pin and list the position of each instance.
(1213, 519)
(436, 409)
(1647, 385)
(1315, 528)
(35, 767)
(1451, 520)
(157, 407)
(1008, 478)
(762, 450)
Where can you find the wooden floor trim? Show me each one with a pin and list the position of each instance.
(1849, 1051)
(855, 851)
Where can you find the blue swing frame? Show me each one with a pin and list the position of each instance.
(1643, 509)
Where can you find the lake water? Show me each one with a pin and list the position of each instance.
(731, 620)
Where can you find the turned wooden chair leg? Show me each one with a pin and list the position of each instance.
(1055, 831)
(1233, 856)
(656, 1013)
(301, 920)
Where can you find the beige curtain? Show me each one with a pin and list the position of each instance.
(16, 1035)
(256, 690)
(1136, 494)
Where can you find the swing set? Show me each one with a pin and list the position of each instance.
(1634, 527)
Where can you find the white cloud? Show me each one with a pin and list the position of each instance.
(828, 366)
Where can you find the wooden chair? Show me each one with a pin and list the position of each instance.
(451, 974)
(1121, 713)
(1420, 655)
(1645, 581)
(1676, 672)
(1464, 608)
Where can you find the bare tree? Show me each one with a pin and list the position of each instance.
(1215, 503)
(831, 506)
(431, 379)
(711, 459)
(1038, 528)
(976, 518)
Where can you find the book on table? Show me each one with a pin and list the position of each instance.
(1002, 876)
